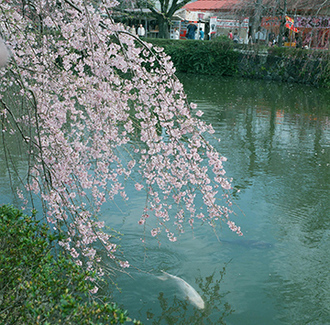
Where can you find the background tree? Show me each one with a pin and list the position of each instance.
(167, 9)
(256, 17)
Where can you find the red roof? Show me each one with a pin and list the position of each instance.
(228, 5)
(293, 6)
(211, 5)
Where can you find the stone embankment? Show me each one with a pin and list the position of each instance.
(295, 68)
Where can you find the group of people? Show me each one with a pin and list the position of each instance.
(192, 28)
(191, 31)
(234, 37)
(141, 32)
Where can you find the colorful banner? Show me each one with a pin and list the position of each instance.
(270, 22)
(312, 22)
(290, 24)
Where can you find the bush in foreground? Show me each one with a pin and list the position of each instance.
(37, 287)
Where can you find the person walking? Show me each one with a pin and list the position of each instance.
(132, 30)
(141, 31)
(176, 34)
(258, 36)
(191, 29)
(235, 36)
(201, 34)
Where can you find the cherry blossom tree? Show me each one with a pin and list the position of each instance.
(80, 94)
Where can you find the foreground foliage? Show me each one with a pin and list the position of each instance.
(39, 287)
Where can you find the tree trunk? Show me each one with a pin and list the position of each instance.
(282, 24)
(163, 27)
(256, 19)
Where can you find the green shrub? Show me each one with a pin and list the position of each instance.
(224, 40)
(203, 57)
(39, 288)
(222, 57)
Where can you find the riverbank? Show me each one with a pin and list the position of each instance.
(292, 65)
(222, 57)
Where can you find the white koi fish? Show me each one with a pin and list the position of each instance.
(190, 293)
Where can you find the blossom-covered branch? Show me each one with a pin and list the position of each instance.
(87, 93)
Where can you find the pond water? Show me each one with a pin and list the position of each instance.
(277, 141)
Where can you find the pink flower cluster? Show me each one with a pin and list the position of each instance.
(89, 94)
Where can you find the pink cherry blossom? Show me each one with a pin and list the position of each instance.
(139, 187)
(124, 264)
(97, 114)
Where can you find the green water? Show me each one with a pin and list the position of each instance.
(277, 141)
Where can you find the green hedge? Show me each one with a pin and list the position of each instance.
(223, 57)
(39, 288)
(203, 57)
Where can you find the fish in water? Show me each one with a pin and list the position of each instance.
(190, 293)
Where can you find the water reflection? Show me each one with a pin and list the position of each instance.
(13, 169)
(277, 140)
(268, 95)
